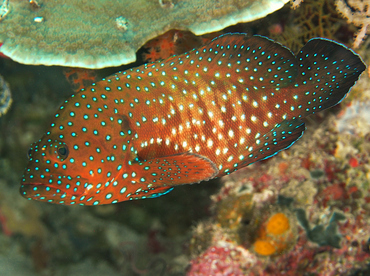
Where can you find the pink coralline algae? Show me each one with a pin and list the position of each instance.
(222, 260)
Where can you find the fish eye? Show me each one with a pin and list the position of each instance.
(62, 152)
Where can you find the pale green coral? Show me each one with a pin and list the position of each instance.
(101, 33)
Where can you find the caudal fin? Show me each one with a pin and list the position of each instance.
(327, 71)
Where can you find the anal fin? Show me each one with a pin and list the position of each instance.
(151, 193)
(281, 137)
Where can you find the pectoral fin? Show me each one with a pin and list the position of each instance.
(184, 168)
(158, 176)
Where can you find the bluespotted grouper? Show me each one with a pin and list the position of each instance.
(193, 117)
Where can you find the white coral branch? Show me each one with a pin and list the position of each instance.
(357, 12)
(296, 3)
(360, 36)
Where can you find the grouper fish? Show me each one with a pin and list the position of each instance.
(190, 118)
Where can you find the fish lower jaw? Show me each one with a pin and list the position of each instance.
(47, 193)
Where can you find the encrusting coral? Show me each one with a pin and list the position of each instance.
(79, 77)
(174, 42)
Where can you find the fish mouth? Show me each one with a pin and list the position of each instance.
(39, 191)
(51, 185)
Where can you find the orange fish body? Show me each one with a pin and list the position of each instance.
(189, 118)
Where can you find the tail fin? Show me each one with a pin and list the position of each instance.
(327, 71)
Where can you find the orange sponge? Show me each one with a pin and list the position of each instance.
(274, 236)
(264, 247)
(277, 224)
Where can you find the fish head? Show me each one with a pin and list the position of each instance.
(80, 152)
(45, 178)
